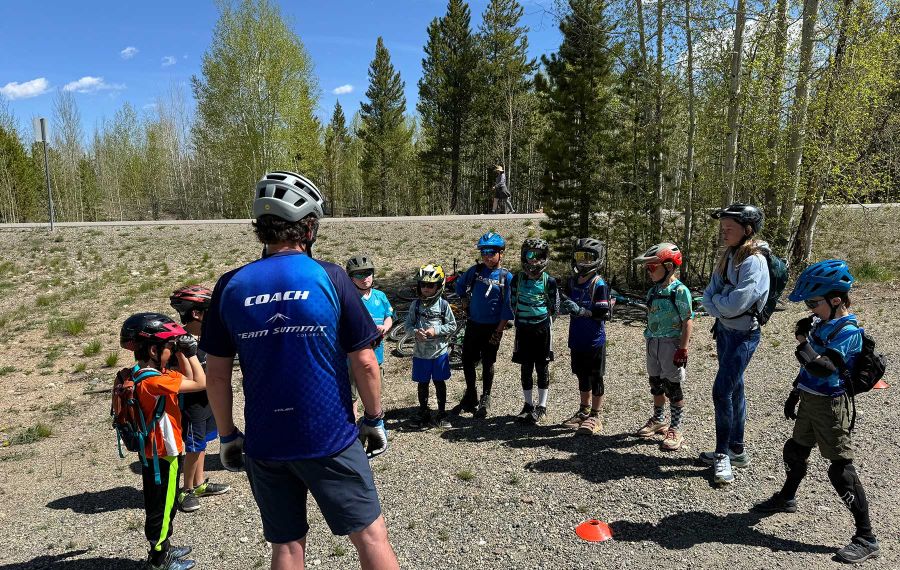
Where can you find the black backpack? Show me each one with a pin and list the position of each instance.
(868, 369)
(778, 278)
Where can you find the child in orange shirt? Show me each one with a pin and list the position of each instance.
(154, 339)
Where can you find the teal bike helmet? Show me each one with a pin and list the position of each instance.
(822, 278)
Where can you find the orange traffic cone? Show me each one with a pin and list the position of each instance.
(881, 385)
(594, 531)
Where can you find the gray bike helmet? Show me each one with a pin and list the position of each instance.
(744, 214)
(287, 195)
(359, 263)
(535, 255)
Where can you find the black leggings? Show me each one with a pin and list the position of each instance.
(477, 346)
(543, 376)
(440, 390)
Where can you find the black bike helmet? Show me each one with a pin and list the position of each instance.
(535, 256)
(588, 256)
(154, 328)
(744, 214)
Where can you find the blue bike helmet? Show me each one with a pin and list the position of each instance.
(491, 240)
(822, 278)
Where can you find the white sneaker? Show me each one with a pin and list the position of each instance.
(722, 467)
(737, 460)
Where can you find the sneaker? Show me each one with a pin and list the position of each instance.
(737, 459)
(441, 421)
(672, 441)
(775, 504)
(525, 415)
(422, 421)
(591, 426)
(575, 421)
(171, 563)
(483, 406)
(722, 470)
(466, 405)
(652, 427)
(859, 550)
(538, 415)
(188, 502)
(207, 489)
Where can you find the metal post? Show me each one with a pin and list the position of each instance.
(47, 171)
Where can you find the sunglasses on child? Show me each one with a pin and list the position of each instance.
(489, 252)
(362, 274)
(812, 303)
(651, 267)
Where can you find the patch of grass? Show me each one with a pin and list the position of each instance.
(514, 479)
(8, 268)
(111, 359)
(73, 326)
(50, 356)
(32, 434)
(20, 455)
(66, 407)
(443, 535)
(465, 474)
(582, 509)
(6, 370)
(92, 348)
(872, 271)
(339, 550)
(80, 367)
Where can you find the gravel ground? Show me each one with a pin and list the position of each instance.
(485, 494)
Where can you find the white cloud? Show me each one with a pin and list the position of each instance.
(149, 107)
(169, 60)
(342, 90)
(33, 88)
(88, 84)
(128, 52)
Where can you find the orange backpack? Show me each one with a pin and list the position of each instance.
(132, 428)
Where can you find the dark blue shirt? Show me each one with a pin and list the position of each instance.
(293, 320)
(588, 333)
(488, 291)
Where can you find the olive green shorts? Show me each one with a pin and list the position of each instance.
(824, 421)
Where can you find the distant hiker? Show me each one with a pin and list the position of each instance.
(502, 196)
(154, 339)
(294, 321)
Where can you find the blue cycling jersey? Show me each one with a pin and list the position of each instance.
(488, 291)
(588, 333)
(293, 320)
(380, 308)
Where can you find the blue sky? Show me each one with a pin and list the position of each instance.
(108, 52)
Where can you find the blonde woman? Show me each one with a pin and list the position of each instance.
(736, 293)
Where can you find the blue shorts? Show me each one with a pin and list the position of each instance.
(198, 427)
(342, 485)
(428, 369)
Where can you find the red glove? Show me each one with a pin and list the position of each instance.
(680, 358)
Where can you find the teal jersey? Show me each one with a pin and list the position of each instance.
(376, 302)
(533, 300)
(664, 318)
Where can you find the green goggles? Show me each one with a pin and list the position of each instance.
(362, 274)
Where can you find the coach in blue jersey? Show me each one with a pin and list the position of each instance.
(295, 321)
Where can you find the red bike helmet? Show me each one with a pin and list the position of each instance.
(661, 253)
(192, 297)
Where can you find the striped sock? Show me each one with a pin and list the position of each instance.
(659, 414)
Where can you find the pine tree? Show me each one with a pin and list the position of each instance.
(21, 184)
(383, 130)
(337, 138)
(579, 148)
(446, 95)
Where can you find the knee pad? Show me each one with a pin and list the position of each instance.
(656, 386)
(597, 387)
(674, 392)
(796, 458)
(846, 482)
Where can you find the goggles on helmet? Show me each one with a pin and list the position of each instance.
(535, 254)
(585, 257)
